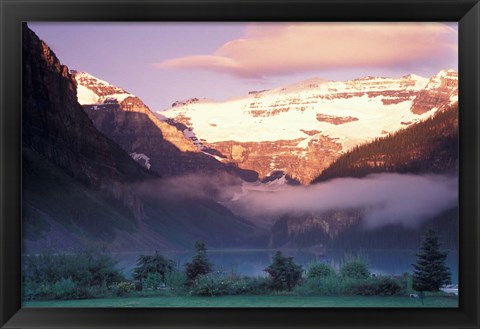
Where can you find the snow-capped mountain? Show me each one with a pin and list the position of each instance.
(91, 90)
(149, 138)
(298, 129)
(96, 94)
(301, 128)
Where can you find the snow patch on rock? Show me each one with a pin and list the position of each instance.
(141, 158)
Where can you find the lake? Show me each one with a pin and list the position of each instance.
(252, 262)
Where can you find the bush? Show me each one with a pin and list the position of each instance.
(251, 286)
(319, 270)
(61, 289)
(122, 288)
(175, 280)
(208, 285)
(152, 281)
(379, 286)
(85, 269)
(332, 285)
(52, 276)
(387, 286)
(408, 283)
(64, 289)
(355, 269)
(154, 264)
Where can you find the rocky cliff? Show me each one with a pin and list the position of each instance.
(441, 91)
(92, 90)
(55, 126)
(129, 122)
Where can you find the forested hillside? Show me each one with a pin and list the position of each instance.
(430, 146)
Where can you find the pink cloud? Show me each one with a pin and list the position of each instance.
(281, 48)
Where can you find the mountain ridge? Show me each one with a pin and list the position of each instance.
(311, 123)
(129, 122)
(324, 118)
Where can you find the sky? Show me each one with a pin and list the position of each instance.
(165, 62)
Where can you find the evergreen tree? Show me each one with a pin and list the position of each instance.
(430, 270)
(284, 273)
(200, 264)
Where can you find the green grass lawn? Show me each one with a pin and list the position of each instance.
(252, 301)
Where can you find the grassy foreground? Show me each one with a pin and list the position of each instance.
(252, 301)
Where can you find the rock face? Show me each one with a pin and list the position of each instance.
(283, 155)
(130, 123)
(441, 90)
(94, 93)
(312, 230)
(301, 128)
(344, 230)
(55, 126)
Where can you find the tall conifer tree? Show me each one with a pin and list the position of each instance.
(430, 270)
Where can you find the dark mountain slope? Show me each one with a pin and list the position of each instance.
(60, 212)
(430, 146)
(79, 187)
(55, 127)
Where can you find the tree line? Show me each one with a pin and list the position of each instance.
(95, 275)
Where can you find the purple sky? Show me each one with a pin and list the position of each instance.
(165, 62)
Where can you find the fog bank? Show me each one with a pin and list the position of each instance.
(383, 198)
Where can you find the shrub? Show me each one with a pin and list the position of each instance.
(122, 288)
(52, 276)
(379, 286)
(335, 285)
(355, 269)
(152, 281)
(64, 289)
(332, 285)
(387, 286)
(208, 286)
(408, 283)
(251, 286)
(283, 272)
(154, 264)
(85, 269)
(319, 270)
(175, 280)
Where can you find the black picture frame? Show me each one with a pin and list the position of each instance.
(13, 12)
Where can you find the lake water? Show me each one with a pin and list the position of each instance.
(252, 262)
